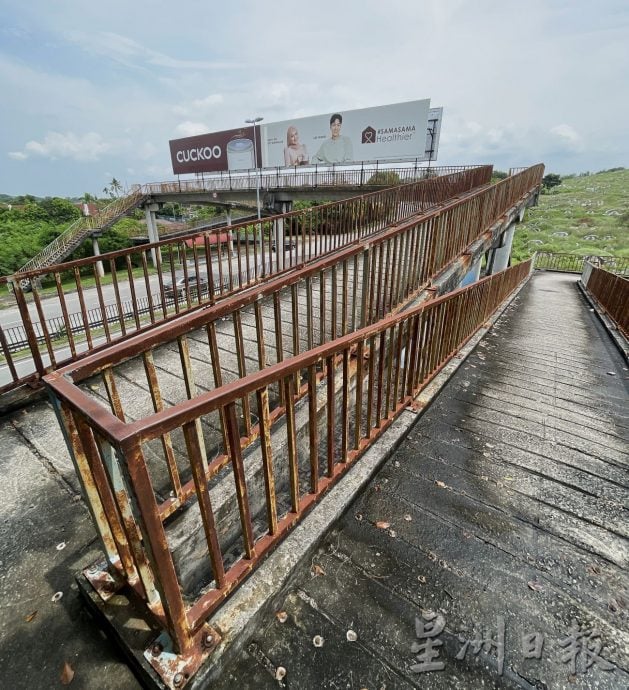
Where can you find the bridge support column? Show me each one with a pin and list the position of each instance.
(503, 253)
(473, 274)
(278, 236)
(96, 251)
(151, 226)
(278, 233)
(230, 237)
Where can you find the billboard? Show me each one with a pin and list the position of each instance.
(352, 136)
(232, 149)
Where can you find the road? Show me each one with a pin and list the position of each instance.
(51, 307)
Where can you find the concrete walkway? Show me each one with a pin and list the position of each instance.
(492, 547)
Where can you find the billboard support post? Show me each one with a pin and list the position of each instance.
(254, 121)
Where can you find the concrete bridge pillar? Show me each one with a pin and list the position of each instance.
(278, 236)
(503, 253)
(96, 251)
(151, 226)
(278, 232)
(473, 274)
(230, 237)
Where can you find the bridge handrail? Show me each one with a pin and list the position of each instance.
(297, 177)
(229, 181)
(611, 291)
(415, 344)
(471, 215)
(357, 218)
(566, 262)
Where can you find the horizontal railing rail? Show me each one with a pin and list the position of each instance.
(355, 386)
(228, 267)
(611, 292)
(310, 177)
(574, 263)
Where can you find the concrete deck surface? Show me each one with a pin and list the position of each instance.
(508, 501)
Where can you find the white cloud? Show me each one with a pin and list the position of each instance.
(86, 147)
(190, 129)
(131, 53)
(199, 107)
(567, 137)
(209, 101)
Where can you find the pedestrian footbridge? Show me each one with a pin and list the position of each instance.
(299, 477)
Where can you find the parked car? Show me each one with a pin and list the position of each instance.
(179, 288)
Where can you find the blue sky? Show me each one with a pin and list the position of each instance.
(95, 90)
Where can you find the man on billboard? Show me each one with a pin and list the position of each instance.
(336, 149)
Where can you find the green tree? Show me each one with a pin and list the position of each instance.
(551, 180)
(498, 175)
(113, 189)
(59, 210)
(384, 177)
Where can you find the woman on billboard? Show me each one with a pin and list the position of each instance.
(295, 152)
(336, 149)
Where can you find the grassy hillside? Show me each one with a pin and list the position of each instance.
(585, 214)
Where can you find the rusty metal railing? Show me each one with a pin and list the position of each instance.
(355, 386)
(311, 233)
(302, 177)
(573, 263)
(287, 315)
(611, 292)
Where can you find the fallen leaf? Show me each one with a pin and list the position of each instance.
(67, 674)
(441, 485)
(30, 616)
(383, 525)
(535, 586)
(317, 570)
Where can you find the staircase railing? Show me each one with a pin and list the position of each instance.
(70, 238)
